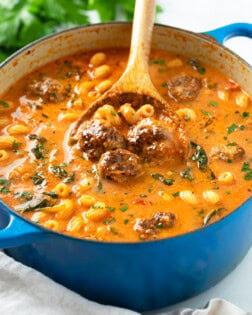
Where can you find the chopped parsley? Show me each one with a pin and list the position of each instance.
(125, 206)
(109, 221)
(113, 112)
(176, 194)
(231, 144)
(143, 196)
(111, 208)
(158, 62)
(16, 146)
(232, 128)
(247, 170)
(36, 137)
(206, 113)
(126, 221)
(213, 103)
(44, 115)
(4, 104)
(245, 114)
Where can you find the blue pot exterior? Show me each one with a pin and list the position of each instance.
(143, 276)
(140, 276)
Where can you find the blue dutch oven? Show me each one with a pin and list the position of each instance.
(140, 276)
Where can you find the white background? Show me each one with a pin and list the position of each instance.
(199, 16)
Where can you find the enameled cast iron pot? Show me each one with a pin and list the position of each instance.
(146, 275)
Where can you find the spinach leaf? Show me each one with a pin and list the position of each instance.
(162, 179)
(200, 156)
(38, 179)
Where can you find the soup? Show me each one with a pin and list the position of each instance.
(131, 174)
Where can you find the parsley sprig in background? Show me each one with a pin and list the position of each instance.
(22, 21)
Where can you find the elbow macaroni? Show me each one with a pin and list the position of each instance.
(188, 196)
(3, 155)
(186, 114)
(211, 196)
(75, 224)
(129, 113)
(18, 130)
(87, 201)
(7, 142)
(98, 59)
(242, 100)
(226, 178)
(102, 72)
(62, 190)
(109, 114)
(146, 111)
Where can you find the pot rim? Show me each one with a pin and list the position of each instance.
(207, 38)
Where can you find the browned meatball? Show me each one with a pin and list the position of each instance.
(149, 227)
(50, 90)
(119, 165)
(226, 153)
(152, 138)
(96, 139)
(184, 88)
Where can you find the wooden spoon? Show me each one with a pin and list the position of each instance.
(135, 85)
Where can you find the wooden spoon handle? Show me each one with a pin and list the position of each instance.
(141, 35)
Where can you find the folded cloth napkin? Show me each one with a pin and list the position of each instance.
(24, 291)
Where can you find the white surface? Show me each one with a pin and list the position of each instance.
(205, 15)
(24, 291)
(200, 16)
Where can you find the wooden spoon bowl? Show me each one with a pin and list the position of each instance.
(135, 85)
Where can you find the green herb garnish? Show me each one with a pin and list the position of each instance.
(213, 103)
(109, 221)
(187, 174)
(232, 128)
(206, 113)
(247, 170)
(195, 63)
(4, 104)
(162, 179)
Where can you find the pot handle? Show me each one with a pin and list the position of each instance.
(16, 231)
(223, 33)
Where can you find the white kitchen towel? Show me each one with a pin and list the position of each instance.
(24, 291)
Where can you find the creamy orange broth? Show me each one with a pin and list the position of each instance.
(141, 197)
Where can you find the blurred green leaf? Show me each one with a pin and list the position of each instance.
(23, 21)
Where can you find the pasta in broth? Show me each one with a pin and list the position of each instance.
(128, 176)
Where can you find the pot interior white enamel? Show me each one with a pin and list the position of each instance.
(110, 35)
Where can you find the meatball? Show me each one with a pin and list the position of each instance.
(184, 88)
(226, 153)
(50, 90)
(119, 165)
(149, 227)
(97, 138)
(152, 138)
